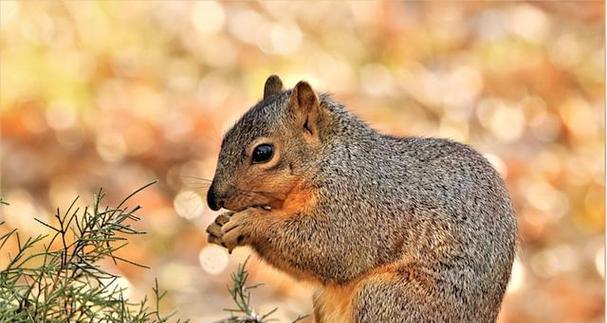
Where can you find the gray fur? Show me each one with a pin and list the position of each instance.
(432, 207)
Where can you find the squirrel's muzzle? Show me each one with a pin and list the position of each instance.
(214, 201)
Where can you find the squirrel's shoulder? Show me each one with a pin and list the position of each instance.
(427, 149)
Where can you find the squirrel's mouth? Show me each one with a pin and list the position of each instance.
(239, 203)
(266, 207)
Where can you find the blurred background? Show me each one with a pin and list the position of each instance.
(115, 94)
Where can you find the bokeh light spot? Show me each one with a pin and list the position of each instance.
(8, 11)
(60, 116)
(208, 17)
(213, 259)
(506, 123)
(111, 146)
(553, 261)
(498, 164)
(547, 198)
(529, 23)
(599, 261)
(285, 38)
(188, 205)
(244, 24)
(278, 38)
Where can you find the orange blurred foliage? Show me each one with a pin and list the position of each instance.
(116, 93)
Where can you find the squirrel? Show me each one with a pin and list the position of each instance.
(390, 229)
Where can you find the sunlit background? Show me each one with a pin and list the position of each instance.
(118, 93)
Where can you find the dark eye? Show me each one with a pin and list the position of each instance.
(262, 153)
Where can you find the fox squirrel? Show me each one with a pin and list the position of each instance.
(390, 229)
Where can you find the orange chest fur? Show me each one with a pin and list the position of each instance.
(334, 304)
(298, 199)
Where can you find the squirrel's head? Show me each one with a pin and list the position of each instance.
(268, 153)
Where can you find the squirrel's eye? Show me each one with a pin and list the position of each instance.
(262, 153)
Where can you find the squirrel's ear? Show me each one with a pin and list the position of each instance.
(273, 86)
(305, 105)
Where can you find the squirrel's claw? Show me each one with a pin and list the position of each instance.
(232, 236)
(215, 240)
(236, 232)
(214, 229)
(231, 230)
(223, 218)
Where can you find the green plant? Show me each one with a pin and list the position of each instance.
(241, 295)
(57, 277)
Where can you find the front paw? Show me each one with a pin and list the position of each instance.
(214, 230)
(240, 227)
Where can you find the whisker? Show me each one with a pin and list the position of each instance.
(195, 182)
(196, 186)
(205, 183)
(197, 178)
(251, 193)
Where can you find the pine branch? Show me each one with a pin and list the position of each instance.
(66, 284)
(241, 295)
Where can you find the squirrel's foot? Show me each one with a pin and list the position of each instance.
(214, 229)
(237, 231)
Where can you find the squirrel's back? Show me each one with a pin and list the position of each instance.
(440, 205)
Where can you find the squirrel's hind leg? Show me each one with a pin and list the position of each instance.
(403, 294)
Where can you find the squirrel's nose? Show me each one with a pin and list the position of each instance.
(214, 202)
